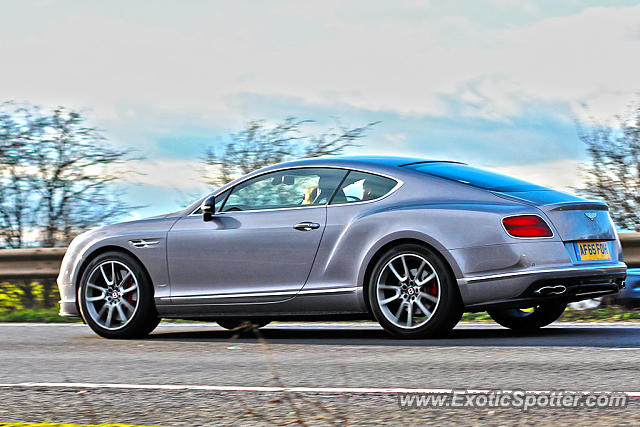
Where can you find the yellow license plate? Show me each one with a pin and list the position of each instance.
(592, 251)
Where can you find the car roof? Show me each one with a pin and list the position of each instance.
(346, 161)
(381, 164)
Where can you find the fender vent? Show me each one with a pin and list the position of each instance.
(142, 243)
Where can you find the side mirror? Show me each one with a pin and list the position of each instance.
(208, 208)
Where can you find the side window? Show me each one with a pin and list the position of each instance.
(220, 199)
(361, 187)
(285, 189)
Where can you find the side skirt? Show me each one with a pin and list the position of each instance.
(309, 304)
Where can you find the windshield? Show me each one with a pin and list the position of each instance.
(473, 176)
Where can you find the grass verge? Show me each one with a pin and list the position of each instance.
(43, 315)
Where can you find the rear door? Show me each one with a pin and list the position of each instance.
(260, 246)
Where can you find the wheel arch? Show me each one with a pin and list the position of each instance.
(99, 251)
(377, 252)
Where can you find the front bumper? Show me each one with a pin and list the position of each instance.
(523, 288)
(68, 309)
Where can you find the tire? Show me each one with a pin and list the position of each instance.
(520, 320)
(130, 295)
(233, 324)
(430, 285)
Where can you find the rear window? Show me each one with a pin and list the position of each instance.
(362, 187)
(474, 176)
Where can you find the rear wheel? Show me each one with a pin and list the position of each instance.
(116, 297)
(242, 325)
(529, 319)
(412, 293)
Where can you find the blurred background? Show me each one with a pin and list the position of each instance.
(118, 110)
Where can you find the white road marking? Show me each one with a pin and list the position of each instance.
(624, 348)
(37, 325)
(274, 389)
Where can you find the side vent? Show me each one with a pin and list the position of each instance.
(142, 243)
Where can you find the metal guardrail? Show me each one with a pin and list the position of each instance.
(44, 263)
(30, 264)
(631, 248)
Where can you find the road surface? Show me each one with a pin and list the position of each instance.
(342, 370)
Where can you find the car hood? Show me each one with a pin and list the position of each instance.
(156, 225)
(136, 222)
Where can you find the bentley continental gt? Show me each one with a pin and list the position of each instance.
(409, 242)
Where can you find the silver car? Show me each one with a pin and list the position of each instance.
(412, 243)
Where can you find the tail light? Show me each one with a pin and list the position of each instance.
(526, 226)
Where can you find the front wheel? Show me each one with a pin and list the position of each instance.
(412, 293)
(116, 297)
(531, 318)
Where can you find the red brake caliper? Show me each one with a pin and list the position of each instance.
(130, 295)
(431, 287)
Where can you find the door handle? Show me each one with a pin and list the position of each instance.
(306, 226)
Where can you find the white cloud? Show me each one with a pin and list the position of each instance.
(563, 175)
(381, 56)
(180, 175)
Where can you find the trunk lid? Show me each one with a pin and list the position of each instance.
(574, 218)
(581, 221)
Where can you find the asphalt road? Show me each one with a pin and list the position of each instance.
(577, 357)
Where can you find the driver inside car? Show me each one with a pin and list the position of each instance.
(310, 195)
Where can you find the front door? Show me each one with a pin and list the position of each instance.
(260, 245)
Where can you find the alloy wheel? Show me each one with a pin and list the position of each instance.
(112, 295)
(408, 291)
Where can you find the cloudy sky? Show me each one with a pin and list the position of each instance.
(496, 83)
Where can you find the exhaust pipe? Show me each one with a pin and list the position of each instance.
(551, 290)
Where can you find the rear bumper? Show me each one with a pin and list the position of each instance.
(531, 287)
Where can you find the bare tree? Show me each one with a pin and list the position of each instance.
(259, 145)
(57, 176)
(75, 167)
(613, 172)
(19, 126)
(15, 213)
